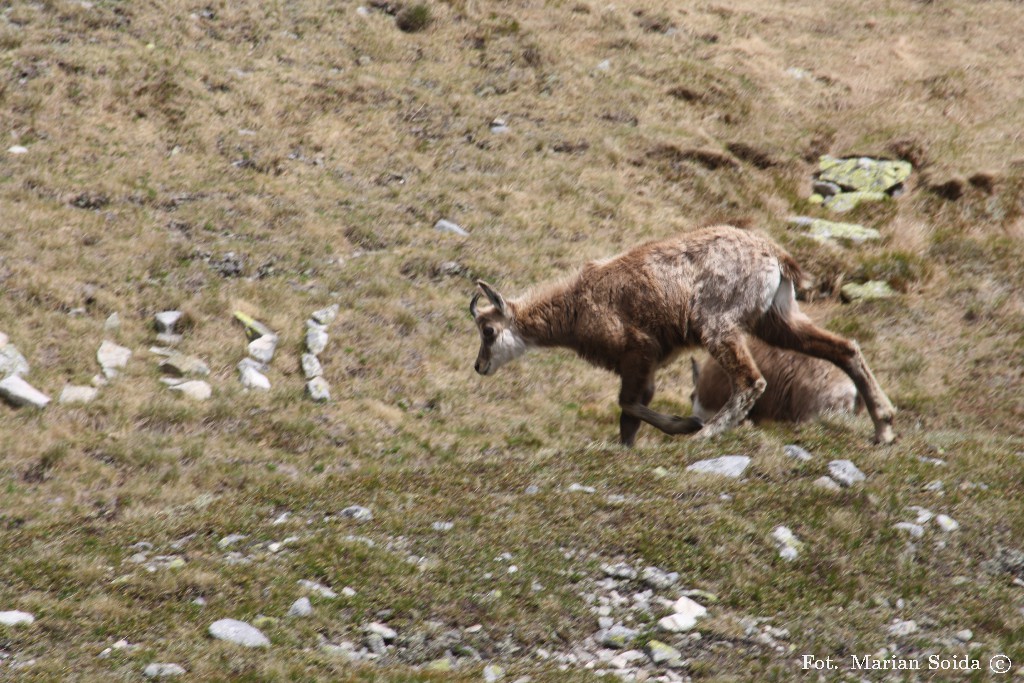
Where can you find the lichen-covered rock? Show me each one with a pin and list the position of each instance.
(863, 174)
(318, 389)
(847, 201)
(868, 291)
(831, 231)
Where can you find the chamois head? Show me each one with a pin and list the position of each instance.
(500, 342)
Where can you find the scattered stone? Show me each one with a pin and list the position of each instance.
(17, 149)
(376, 644)
(317, 588)
(580, 488)
(318, 389)
(18, 393)
(499, 126)
(252, 378)
(262, 349)
(604, 65)
(448, 226)
(664, 654)
(624, 659)
(868, 291)
(619, 571)
(348, 591)
(727, 466)
(382, 630)
(112, 323)
(934, 486)
(357, 513)
(848, 201)
(493, 673)
(16, 618)
(442, 526)
(196, 389)
(798, 453)
(441, 664)
(180, 365)
(326, 316)
(230, 540)
(964, 636)
(11, 360)
(863, 174)
(112, 358)
(238, 632)
(311, 366)
(316, 338)
(825, 189)
(830, 231)
(947, 523)
(845, 472)
(167, 321)
(685, 606)
(300, 608)
(903, 628)
(787, 543)
(677, 623)
(915, 530)
(702, 594)
(658, 579)
(77, 394)
(162, 671)
(617, 637)
(254, 329)
(924, 515)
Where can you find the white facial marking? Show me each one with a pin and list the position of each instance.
(508, 346)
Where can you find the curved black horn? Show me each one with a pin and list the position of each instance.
(472, 304)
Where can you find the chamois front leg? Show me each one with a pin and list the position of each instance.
(637, 392)
(731, 352)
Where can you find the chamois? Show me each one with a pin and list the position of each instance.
(634, 313)
(800, 388)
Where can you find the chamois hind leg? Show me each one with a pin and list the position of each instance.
(637, 392)
(797, 332)
(748, 384)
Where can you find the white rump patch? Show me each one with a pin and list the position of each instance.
(784, 301)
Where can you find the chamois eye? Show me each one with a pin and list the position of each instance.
(488, 332)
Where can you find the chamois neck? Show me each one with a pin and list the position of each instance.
(545, 318)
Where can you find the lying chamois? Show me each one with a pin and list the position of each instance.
(635, 313)
(800, 388)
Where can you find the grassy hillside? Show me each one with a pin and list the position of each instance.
(279, 157)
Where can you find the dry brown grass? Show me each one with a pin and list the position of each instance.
(320, 146)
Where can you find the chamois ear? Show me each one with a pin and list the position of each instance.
(497, 300)
(695, 368)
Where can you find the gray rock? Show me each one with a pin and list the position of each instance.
(318, 389)
(617, 637)
(316, 338)
(964, 636)
(230, 540)
(357, 513)
(915, 530)
(196, 389)
(499, 126)
(797, 453)
(442, 526)
(375, 644)
(625, 659)
(18, 393)
(169, 339)
(580, 488)
(252, 378)
(493, 673)
(112, 323)
(112, 358)
(300, 608)
(318, 588)
(847, 201)
(262, 349)
(311, 366)
(832, 232)
(77, 394)
(16, 618)
(326, 316)
(827, 483)
(166, 321)
(726, 466)
(11, 360)
(825, 188)
(947, 523)
(180, 365)
(845, 472)
(619, 571)
(868, 291)
(903, 628)
(677, 623)
(238, 632)
(658, 579)
(664, 654)
(162, 671)
(864, 174)
(382, 630)
(786, 542)
(448, 226)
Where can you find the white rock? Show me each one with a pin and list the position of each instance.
(903, 628)
(348, 591)
(604, 65)
(196, 389)
(690, 608)
(382, 630)
(166, 321)
(77, 394)
(787, 543)
(326, 316)
(252, 378)
(11, 360)
(18, 392)
(17, 149)
(16, 618)
(311, 366)
(726, 466)
(677, 623)
(624, 659)
(230, 540)
(658, 578)
(442, 526)
(449, 226)
(964, 636)
(318, 588)
(112, 358)
(797, 453)
(316, 339)
(238, 632)
(580, 488)
(162, 671)
(300, 608)
(318, 389)
(915, 530)
(845, 472)
(112, 323)
(924, 515)
(262, 349)
(827, 483)
(358, 513)
(493, 673)
(947, 523)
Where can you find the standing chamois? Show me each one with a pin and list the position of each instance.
(634, 313)
(800, 388)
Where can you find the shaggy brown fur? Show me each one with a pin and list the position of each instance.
(800, 388)
(636, 312)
